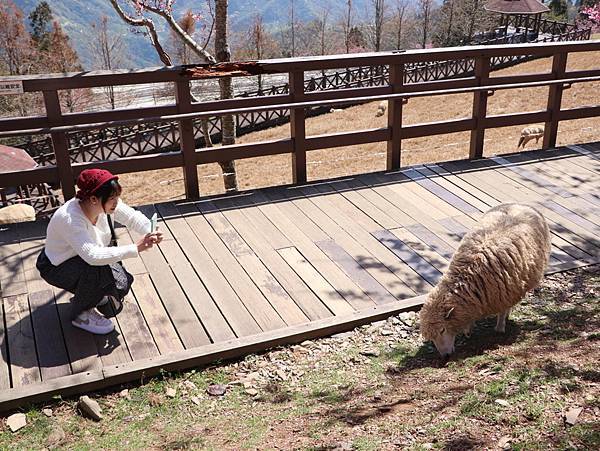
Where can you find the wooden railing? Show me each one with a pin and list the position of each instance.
(60, 125)
(127, 141)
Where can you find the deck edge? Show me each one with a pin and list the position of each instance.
(141, 369)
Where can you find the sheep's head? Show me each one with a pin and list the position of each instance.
(438, 324)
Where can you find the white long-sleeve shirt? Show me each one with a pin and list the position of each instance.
(71, 233)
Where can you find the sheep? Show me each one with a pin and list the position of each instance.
(381, 108)
(17, 213)
(494, 266)
(529, 133)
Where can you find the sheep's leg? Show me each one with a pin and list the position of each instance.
(501, 321)
(468, 330)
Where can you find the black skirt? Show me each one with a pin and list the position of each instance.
(103, 287)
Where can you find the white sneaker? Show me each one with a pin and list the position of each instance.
(93, 322)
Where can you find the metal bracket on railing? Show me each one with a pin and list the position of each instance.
(491, 92)
(567, 86)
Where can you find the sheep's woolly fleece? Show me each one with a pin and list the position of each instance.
(494, 266)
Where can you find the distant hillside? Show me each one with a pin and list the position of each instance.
(75, 17)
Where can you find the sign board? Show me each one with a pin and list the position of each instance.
(8, 87)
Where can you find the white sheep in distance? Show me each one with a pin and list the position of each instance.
(496, 263)
(381, 108)
(529, 133)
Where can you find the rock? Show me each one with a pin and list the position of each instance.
(504, 442)
(393, 320)
(195, 400)
(378, 324)
(343, 335)
(281, 375)
(252, 392)
(124, 394)
(216, 389)
(47, 412)
(16, 421)
(89, 408)
(502, 402)
(407, 317)
(189, 385)
(307, 343)
(370, 352)
(572, 415)
(56, 436)
(170, 392)
(343, 446)
(253, 376)
(386, 332)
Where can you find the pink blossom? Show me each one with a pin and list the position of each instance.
(593, 13)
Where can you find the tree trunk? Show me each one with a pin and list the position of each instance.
(471, 29)
(227, 122)
(207, 139)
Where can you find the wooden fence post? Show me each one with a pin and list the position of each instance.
(559, 65)
(394, 118)
(187, 143)
(298, 128)
(482, 72)
(60, 145)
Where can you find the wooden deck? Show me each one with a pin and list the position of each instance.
(239, 274)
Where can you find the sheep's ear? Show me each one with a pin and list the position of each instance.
(449, 313)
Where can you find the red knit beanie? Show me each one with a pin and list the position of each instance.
(90, 180)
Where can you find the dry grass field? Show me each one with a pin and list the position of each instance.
(153, 186)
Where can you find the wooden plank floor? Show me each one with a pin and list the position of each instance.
(242, 273)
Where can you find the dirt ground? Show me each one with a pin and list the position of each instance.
(323, 164)
(377, 387)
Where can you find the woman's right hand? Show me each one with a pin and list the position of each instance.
(146, 242)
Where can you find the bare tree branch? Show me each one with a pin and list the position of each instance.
(166, 14)
(145, 22)
(212, 23)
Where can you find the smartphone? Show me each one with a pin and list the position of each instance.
(153, 223)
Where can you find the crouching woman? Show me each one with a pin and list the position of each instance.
(81, 255)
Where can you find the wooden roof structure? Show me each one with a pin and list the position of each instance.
(516, 7)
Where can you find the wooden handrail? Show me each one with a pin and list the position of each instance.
(76, 80)
(299, 103)
(343, 99)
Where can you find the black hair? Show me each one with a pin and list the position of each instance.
(108, 190)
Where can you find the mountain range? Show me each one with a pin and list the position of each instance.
(76, 17)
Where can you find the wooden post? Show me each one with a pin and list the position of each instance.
(482, 72)
(394, 116)
(60, 145)
(187, 143)
(559, 65)
(298, 128)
